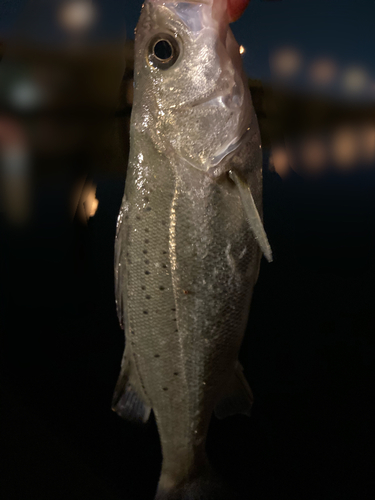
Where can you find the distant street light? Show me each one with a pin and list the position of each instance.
(322, 71)
(77, 15)
(286, 62)
(355, 79)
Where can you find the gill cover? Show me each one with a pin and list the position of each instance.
(196, 105)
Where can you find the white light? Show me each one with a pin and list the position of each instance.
(242, 50)
(26, 95)
(355, 79)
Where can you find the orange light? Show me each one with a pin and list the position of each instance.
(313, 155)
(279, 159)
(345, 147)
(286, 62)
(367, 143)
(322, 71)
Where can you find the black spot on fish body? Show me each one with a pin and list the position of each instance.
(148, 297)
(156, 355)
(147, 272)
(161, 288)
(145, 312)
(165, 388)
(145, 252)
(143, 287)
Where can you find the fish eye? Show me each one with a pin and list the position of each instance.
(163, 51)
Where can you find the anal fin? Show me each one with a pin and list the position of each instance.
(126, 401)
(237, 396)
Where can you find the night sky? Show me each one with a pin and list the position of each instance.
(340, 29)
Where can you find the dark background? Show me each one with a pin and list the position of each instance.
(308, 352)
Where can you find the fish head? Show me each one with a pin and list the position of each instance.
(191, 93)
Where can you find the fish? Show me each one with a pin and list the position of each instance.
(189, 237)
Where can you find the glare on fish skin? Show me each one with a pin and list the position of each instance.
(242, 50)
(286, 62)
(77, 15)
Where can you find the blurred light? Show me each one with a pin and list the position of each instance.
(286, 62)
(14, 160)
(279, 160)
(367, 143)
(25, 95)
(77, 15)
(242, 50)
(313, 154)
(84, 201)
(91, 203)
(15, 188)
(322, 71)
(355, 79)
(345, 147)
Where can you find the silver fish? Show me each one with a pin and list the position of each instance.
(189, 234)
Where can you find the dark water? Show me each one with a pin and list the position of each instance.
(308, 354)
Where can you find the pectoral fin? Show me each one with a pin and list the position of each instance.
(252, 215)
(127, 402)
(237, 396)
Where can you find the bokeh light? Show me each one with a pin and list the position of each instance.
(286, 62)
(345, 147)
(313, 154)
(77, 15)
(322, 71)
(355, 79)
(279, 160)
